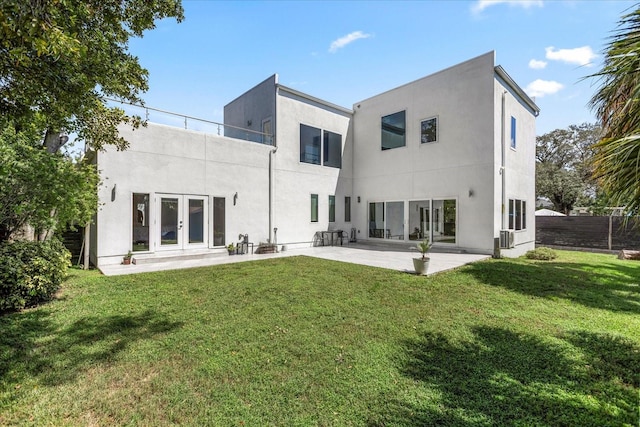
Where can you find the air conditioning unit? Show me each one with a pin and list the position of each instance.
(506, 239)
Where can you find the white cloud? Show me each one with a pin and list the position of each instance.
(481, 5)
(537, 65)
(345, 40)
(539, 88)
(580, 55)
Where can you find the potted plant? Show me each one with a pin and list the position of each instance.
(421, 264)
(231, 248)
(126, 260)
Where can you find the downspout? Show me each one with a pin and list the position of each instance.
(271, 153)
(503, 161)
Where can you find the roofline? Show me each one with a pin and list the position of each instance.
(313, 99)
(517, 89)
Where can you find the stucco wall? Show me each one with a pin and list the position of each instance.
(459, 163)
(520, 168)
(249, 109)
(295, 181)
(464, 164)
(164, 159)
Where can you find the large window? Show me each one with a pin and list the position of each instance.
(320, 147)
(347, 209)
(140, 222)
(429, 130)
(513, 132)
(332, 208)
(314, 208)
(393, 130)
(517, 214)
(332, 149)
(310, 144)
(386, 220)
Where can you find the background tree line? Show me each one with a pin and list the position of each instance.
(564, 167)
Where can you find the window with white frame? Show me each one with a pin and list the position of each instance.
(429, 130)
(517, 214)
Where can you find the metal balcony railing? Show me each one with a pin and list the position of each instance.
(170, 118)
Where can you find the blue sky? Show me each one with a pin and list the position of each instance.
(344, 52)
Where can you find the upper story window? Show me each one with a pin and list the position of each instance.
(332, 151)
(393, 130)
(320, 147)
(310, 143)
(513, 132)
(429, 130)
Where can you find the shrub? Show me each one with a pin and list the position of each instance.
(31, 272)
(544, 254)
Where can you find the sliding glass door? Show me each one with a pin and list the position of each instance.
(435, 220)
(386, 220)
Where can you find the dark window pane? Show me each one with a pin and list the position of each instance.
(169, 221)
(332, 149)
(314, 208)
(513, 132)
(347, 209)
(393, 130)
(376, 219)
(332, 208)
(219, 221)
(196, 221)
(428, 130)
(518, 215)
(310, 142)
(140, 222)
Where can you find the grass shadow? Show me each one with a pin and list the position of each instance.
(33, 347)
(610, 287)
(506, 378)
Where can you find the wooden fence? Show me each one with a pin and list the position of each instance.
(588, 232)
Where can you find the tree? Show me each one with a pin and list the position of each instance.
(564, 166)
(617, 105)
(59, 59)
(35, 183)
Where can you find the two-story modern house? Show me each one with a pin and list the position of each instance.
(449, 157)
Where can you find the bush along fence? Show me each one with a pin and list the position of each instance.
(588, 232)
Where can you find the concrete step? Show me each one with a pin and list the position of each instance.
(155, 258)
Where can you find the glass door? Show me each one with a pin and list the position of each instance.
(195, 231)
(386, 220)
(170, 222)
(182, 222)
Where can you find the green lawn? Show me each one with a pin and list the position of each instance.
(307, 342)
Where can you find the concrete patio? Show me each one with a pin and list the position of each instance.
(393, 257)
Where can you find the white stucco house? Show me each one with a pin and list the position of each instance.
(449, 157)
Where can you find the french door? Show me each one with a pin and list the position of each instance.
(182, 221)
